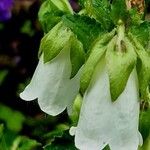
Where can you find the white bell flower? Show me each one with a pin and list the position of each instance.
(102, 121)
(51, 84)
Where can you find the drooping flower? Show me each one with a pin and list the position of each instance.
(56, 81)
(103, 122)
(5, 9)
(110, 110)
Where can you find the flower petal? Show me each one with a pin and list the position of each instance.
(31, 92)
(102, 122)
(52, 85)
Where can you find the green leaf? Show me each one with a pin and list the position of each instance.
(1, 130)
(143, 68)
(63, 5)
(6, 112)
(118, 11)
(85, 28)
(144, 124)
(120, 64)
(54, 41)
(24, 143)
(3, 74)
(58, 132)
(99, 10)
(146, 145)
(96, 54)
(77, 55)
(74, 116)
(51, 11)
(142, 33)
(63, 143)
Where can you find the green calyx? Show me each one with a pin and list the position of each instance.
(96, 54)
(57, 39)
(54, 41)
(120, 63)
(143, 69)
(120, 58)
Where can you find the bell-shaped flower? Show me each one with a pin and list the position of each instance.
(109, 116)
(56, 81)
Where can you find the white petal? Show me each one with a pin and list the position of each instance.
(32, 90)
(102, 122)
(126, 120)
(58, 90)
(52, 86)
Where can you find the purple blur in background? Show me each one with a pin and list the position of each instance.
(5, 9)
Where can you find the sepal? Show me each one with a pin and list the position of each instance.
(54, 41)
(77, 55)
(143, 68)
(96, 54)
(120, 63)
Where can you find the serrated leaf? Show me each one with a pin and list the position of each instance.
(54, 41)
(85, 28)
(51, 11)
(120, 64)
(99, 10)
(96, 54)
(77, 55)
(118, 10)
(57, 132)
(63, 143)
(142, 33)
(63, 5)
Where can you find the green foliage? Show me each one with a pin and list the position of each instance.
(77, 55)
(143, 68)
(59, 144)
(51, 12)
(100, 10)
(118, 10)
(13, 119)
(3, 74)
(24, 143)
(85, 28)
(142, 33)
(144, 125)
(96, 53)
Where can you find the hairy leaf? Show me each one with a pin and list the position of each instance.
(85, 28)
